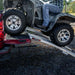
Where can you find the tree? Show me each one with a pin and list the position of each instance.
(69, 1)
(66, 2)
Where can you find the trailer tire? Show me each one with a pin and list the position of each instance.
(62, 34)
(14, 22)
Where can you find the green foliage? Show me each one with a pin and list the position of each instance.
(65, 2)
(69, 2)
(1, 6)
(71, 7)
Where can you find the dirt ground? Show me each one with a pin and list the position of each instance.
(40, 60)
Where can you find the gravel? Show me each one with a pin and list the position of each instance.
(40, 60)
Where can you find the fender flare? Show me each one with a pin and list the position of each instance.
(71, 18)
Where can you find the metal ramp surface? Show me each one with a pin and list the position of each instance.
(38, 36)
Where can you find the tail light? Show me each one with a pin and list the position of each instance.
(1, 40)
(1, 35)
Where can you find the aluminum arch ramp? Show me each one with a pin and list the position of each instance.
(38, 36)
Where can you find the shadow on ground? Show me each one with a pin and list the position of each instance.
(40, 60)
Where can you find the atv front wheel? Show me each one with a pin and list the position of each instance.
(62, 35)
(14, 22)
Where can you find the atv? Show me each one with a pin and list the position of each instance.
(19, 14)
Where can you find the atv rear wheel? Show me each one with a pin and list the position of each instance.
(62, 35)
(14, 22)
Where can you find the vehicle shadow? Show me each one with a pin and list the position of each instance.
(42, 60)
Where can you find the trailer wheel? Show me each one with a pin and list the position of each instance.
(14, 22)
(62, 35)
